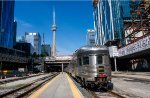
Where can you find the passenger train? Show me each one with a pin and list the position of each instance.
(91, 65)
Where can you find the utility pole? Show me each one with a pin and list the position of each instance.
(62, 66)
(115, 64)
(113, 51)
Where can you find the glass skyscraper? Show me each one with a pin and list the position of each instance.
(35, 40)
(90, 37)
(14, 32)
(46, 49)
(108, 20)
(6, 23)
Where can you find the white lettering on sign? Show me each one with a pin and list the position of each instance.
(21, 69)
(138, 46)
(113, 51)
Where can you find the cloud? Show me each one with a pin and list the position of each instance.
(23, 23)
(63, 51)
(27, 24)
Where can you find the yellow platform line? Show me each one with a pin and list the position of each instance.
(74, 89)
(42, 89)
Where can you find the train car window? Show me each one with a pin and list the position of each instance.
(99, 59)
(85, 60)
(106, 60)
(79, 61)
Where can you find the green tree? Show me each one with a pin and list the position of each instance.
(34, 55)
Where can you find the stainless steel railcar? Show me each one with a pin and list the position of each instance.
(91, 65)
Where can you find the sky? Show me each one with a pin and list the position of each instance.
(73, 18)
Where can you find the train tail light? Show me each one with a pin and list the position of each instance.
(101, 71)
(102, 75)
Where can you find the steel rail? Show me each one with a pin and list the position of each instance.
(107, 94)
(27, 89)
(116, 94)
(18, 78)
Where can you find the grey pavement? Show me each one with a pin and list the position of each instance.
(135, 75)
(131, 88)
(59, 88)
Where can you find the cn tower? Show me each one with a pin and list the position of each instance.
(54, 35)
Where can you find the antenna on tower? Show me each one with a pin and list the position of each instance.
(43, 39)
(44, 48)
(53, 15)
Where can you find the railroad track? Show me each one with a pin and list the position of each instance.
(27, 89)
(99, 93)
(105, 94)
(16, 79)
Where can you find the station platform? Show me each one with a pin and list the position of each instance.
(61, 86)
(135, 75)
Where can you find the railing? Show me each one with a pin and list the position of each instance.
(12, 55)
(14, 52)
(11, 58)
(38, 60)
(64, 57)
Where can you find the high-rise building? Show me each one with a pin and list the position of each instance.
(21, 39)
(14, 32)
(26, 47)
(46, 50)
(108, 21)
(35, 40)
(6, 23)
(91, 37)
(137, 36)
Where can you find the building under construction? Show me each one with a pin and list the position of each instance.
(126, 24)
(136, 52)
